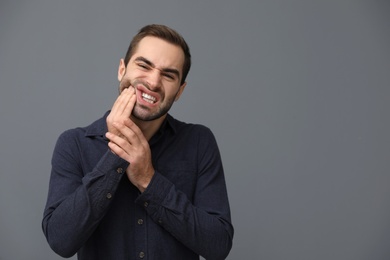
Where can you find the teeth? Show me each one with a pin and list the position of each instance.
(148, 98)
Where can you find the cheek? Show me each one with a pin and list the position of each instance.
(171, 91)
(128, 77)
(125, 83)
(135, 74)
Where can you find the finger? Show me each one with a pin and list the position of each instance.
(122, 101)
(118, 101)
(136, 130)
(120, 141)
(131, 136)
(130, 104)
(116, 149)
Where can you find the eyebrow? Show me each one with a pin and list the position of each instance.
(166, 70)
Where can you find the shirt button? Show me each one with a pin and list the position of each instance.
(109, 196)
(119, 170)
(141, 255)
(160, 221)
(140, 221)
(146, 204)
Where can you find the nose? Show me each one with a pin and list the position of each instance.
(154, 79)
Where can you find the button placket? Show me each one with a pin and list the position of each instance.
(141, 231)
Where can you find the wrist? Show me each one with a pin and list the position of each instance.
(144, 182)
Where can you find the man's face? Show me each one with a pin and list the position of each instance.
(155, 72)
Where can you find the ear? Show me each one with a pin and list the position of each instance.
(121, 69)
(181, 89)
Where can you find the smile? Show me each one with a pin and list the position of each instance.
(148, 98)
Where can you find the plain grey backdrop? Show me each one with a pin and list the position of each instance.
(297, 94)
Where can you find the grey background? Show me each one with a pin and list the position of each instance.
(296, 92)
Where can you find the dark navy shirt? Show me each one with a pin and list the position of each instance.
(95, 211)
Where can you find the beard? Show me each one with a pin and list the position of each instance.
(145, 113)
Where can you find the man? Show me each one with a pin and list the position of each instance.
(137, 183)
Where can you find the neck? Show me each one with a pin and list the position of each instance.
(149, 128)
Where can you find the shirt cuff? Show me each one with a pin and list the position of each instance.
(110, 162)
(154, 195)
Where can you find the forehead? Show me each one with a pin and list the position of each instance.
(161, 53)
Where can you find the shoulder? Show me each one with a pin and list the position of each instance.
(198, 132)
(181, 126)
(97, 128)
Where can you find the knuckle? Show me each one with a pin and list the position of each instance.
(127, 121)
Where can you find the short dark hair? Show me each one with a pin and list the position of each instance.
(165, 33)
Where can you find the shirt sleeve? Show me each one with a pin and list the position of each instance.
(203, 224)
(77, 201)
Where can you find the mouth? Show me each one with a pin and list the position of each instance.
(148, 98)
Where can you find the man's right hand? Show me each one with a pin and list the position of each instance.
(121, 110)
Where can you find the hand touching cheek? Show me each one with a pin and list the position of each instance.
(121, 110)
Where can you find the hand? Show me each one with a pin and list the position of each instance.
(132, 146)
(121, 110)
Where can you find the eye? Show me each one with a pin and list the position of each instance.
(143, 65)
(169, 76)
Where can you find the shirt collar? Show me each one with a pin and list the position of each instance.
(168, 124)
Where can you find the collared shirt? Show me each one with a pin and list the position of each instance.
(95, 211)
